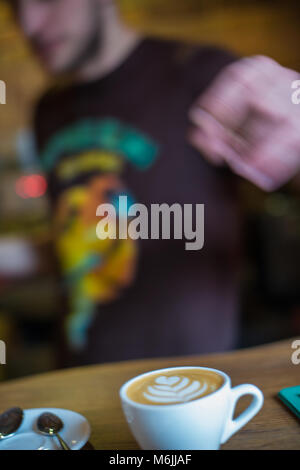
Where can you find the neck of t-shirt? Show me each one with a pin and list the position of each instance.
(114, 52)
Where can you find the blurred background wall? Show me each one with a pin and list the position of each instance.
(271, 301)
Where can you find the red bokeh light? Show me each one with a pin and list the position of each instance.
(33, 186)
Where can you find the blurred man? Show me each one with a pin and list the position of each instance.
(118, 123)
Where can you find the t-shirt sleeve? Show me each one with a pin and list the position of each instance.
(203, 65)
(200, 67)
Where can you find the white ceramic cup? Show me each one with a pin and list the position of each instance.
(201, 424)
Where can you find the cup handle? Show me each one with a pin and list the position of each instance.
(233, 425)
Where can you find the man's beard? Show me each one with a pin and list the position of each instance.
(90, 50)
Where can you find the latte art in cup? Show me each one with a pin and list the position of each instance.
(186, 408)
(174, 387)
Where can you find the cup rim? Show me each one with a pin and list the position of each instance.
(124, 397)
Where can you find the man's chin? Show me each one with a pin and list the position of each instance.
(54, 67)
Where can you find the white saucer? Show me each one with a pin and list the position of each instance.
(76, 432)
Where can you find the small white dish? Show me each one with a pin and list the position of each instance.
(76, 432)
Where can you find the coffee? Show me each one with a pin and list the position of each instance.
(174, 386)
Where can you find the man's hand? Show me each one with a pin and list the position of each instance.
(247, 119)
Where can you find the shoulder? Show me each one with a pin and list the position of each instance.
(54, 95)
(196, 65)
(48, 110)
(201, 64)
(188, 55)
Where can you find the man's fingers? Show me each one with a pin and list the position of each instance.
(250, 84)
(252, 174)
(210, 148)
(226, 103)
(229, 97)
(278, 157)
(271, 163)
(208, 135)
(247, 119)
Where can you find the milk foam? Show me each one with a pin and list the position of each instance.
(177, 389)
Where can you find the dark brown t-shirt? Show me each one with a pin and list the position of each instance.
(125, 134)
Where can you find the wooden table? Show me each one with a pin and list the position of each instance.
(93, 391)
